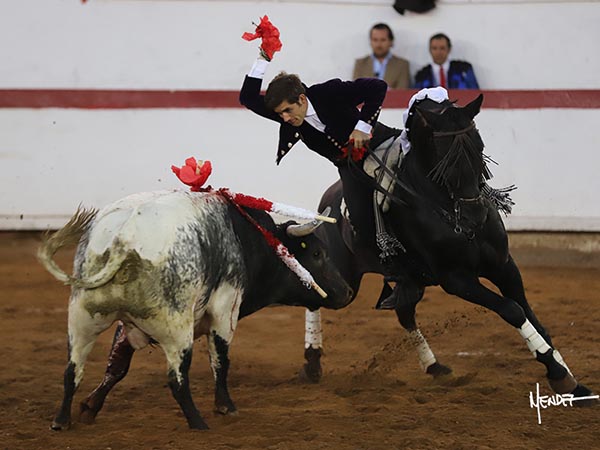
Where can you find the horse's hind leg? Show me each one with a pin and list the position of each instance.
(405, 311)
(119, 360)
(83, 331)
(468, 287)
(508, 280)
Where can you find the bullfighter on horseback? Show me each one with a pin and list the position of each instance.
(327, 118)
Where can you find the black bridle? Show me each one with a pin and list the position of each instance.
(453, 219)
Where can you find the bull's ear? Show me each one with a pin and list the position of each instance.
(473, 108)
(427, 118)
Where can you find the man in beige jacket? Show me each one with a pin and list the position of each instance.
(381, 63)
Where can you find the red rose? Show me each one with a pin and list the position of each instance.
(270, 37)
(356, 154)
(193, 174)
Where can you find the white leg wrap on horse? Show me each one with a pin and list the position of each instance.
(313, 336)
(426, 357)
(534, 340)
(558, 357)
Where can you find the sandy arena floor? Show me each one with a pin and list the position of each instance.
(373, 394)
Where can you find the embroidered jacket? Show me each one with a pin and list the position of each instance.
(336, 103)
(460, 76)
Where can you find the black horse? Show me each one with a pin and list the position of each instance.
(452, 235)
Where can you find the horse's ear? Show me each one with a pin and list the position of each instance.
(473, 108)
(429, 118)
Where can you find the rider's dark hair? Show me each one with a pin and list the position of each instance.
(441, 36)
(382, 26)
(284, 87)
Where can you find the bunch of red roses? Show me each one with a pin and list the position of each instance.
(269, 35)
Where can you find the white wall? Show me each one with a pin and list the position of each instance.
(189, 44)
(53, 159)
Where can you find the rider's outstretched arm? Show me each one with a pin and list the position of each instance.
(250, 95)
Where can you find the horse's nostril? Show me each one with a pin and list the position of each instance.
(350, 292)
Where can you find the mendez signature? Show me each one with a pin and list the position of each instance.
(544, 401)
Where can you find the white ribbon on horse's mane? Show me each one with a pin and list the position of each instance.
(437, 94)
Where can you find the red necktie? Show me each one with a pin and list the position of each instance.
(442, 77)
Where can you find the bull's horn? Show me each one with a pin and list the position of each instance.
(308, 227)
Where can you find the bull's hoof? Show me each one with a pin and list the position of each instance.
(86, 414)
(582, 391)
(437, 370)
(60, 426)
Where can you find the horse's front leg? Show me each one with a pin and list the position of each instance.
(508, 280)
(405, 311)
(468, 287)
(311, 372)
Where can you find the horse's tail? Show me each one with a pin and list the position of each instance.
(70, 234)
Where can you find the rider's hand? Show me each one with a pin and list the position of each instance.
(359, 139)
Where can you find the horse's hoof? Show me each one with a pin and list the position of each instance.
(226, 410)
(311, 372)
(198, 425)
(565, 385)
(86, 414)
(582, 391)
(57, 426)
(436, 370)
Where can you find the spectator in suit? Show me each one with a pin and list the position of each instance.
(381, 63)
(443, 72)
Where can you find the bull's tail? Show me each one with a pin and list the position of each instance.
(70, 234)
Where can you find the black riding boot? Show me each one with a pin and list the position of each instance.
(405, 291)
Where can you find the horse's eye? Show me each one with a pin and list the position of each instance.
(317, 254)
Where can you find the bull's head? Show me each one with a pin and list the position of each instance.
(312, 253)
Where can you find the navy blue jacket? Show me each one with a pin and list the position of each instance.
(336, 103)
(460, 76)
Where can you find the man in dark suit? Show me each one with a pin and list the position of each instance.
(453, 74)
(326, 118)
(381, 63)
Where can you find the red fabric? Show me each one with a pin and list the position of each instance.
(192, 174)
(357, 153)
(269, 34)
(442, 78)
(253, 202)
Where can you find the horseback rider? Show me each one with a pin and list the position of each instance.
(327, 119)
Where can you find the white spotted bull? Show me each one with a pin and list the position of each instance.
(172, 266)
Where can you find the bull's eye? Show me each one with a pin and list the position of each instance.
(317, 254)
(303, 244)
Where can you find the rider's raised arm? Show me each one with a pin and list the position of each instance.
(250, 95)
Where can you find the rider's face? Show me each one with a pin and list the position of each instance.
(439, 50)
(293, 113)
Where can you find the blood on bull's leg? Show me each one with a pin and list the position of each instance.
(313, 347)
(119, 361)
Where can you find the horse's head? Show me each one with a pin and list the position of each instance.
(449, 146)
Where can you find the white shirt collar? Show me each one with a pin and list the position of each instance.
(445, 66)
(310, 110)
